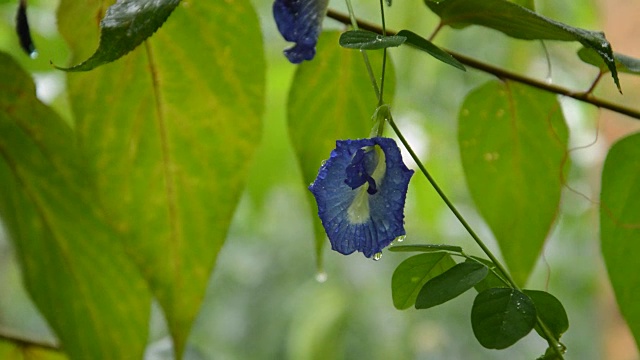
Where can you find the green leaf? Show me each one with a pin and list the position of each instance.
(491, 280)
(330, 99)
(450, 284)
(23, 351)
(169, 133)
(513, 141)
(427, 46)
(620, 226)
(367, 40)
(74, 266)
(426, 248)
(411, 275)
(550, 311)
(519, 22)
(124, 27)
(502, 316)
(624, 63)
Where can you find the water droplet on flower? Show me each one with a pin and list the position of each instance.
(323, 162)
(377, 256)
(321, 276)
(401, 238)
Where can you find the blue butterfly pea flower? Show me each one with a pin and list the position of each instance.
(361, 191)
(300, 21)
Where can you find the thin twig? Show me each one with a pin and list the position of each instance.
(506, 75)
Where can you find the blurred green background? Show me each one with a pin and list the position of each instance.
(265, 300)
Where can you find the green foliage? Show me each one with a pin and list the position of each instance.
(550, 311)
(124, 27)
(450, 284)
(129, 199)
(513, 143)
(411, 275)
(502, 316)
(619, 226)
(624, 63)
(367, 40)
(76, 271)
(521, 23)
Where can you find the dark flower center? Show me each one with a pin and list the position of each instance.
(358, 171)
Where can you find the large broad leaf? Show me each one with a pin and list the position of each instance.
(502, 316)
(74, 266)
(513, 143)
(169, 132)
(124, 27)
(521, 23)
(331, 99)
(411, 275)
(450, 284)
(620, 226)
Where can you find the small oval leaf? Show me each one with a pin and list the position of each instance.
(413, 273)
(550, 311)
(502, 316)
(450, 284)
(367, 40)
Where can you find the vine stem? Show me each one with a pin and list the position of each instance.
(553, 343)
(450, 205)
(355, 24)
(506, 75)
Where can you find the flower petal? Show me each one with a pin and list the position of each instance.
(300, 21)
(355, 219)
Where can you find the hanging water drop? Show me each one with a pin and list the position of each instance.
(321, 276)
(323, 162)
(377, 256)
(401, 238)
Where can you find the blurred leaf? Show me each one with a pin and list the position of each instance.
(411, 275)
(331, 99)
(450, 284)
(550, 311)
(25, 351)
(521, 23)
(624, 63)
(529, 4)
(126, 25)
(427, 46)
(425, 248)
(367, 40)
(73, 265)
(513, 141)
(169, 132)
(502, 316)
(620, 226)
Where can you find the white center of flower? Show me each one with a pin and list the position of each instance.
(358, 211)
